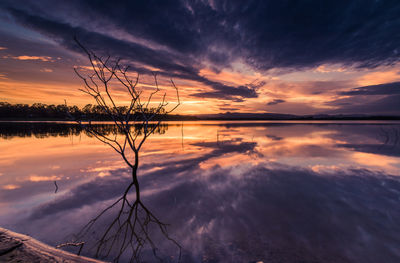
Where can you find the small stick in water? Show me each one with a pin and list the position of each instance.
(55, 183)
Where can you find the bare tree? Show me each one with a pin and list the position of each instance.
(128, 232)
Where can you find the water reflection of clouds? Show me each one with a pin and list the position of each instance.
(329, 195)
(261, 213)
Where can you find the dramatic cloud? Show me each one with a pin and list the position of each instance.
(167, 63)
(260, 39)
(382, 99)
(381, 89)
(267, 34)
(388, 105)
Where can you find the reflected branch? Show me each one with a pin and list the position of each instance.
(131, 229)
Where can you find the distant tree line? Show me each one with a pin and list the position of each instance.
(41, 111)
(10, 130)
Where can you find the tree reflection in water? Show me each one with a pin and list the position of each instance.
(133, 123)
(132, 224)
(129, 231)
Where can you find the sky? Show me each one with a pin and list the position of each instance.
(292, 57)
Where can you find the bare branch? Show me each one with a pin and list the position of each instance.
(129, 230)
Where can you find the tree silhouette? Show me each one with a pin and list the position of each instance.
(129, 230)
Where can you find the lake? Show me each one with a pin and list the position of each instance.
(229, 191)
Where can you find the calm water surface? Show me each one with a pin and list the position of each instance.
(231, 191)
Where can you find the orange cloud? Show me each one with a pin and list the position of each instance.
(231, 77)
(328, 69)
(40, 58)
(10, 187)
(379, 77)
(37, 178)
(46, 70)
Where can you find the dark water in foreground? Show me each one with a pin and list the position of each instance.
(231, 192)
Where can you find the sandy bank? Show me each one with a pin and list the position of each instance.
(16, 247)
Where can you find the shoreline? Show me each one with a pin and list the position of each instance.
(15, 247)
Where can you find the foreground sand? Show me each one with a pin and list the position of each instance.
(16, 247)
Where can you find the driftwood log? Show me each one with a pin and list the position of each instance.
(16, 247)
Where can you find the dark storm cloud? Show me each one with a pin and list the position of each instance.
(228, 92)
(64, 34)
(184, 36)
(222, 92)
(267, 34)
(381, 89)
(388, 105)
(275, 101)
(375, 99)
